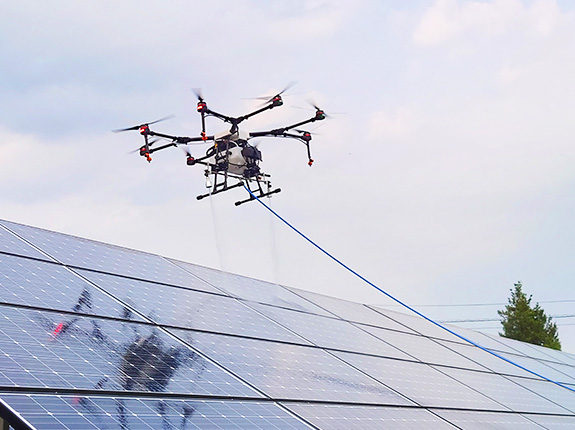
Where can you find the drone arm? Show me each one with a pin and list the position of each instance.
(181, 140)
(263, 109)
(305, 137)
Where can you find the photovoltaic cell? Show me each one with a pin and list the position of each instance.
(420, 325)
(186, 308)
(539, 367)
(349, 417)
(483, 339)
(86, 253)
(485, 420)
(14, 245)
(420, 383)
(37, 283)
(124, 324)
(291, 371)
(527, 349)
(51, 350)
(486, 360)
(251, 289)
(551, 422)
(558, 395)
(506, 392)
(422, 348)
(351, 311)
(128, 413)
(330, 332)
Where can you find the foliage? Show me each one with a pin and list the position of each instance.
(529, 324)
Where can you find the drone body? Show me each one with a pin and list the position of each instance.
(231, 161)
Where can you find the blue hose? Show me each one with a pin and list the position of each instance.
(400, 302)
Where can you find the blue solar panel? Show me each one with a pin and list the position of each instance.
(11, 243)
(504, 391)
(95, 336)
(130, 413)
(251, 289)
(470, 420)
(85, 253)
(186, 308)
(51, 350)
(37, 283)
(292, 371)
(420, 383)
(330, 332)
(350, 311)
(350, 417)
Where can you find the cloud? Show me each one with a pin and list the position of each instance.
(451, 20)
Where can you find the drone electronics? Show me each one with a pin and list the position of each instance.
(231, 161)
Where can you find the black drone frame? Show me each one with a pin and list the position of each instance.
(221, 143)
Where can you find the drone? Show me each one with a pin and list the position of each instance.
(231, 161)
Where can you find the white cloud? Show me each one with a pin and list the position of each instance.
(450, 20)
(384, 125)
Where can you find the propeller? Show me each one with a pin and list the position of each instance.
(190, 161)
(150, 143)
(198, 93)
(137, 127)
(268, 99)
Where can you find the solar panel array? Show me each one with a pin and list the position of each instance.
(95, 336)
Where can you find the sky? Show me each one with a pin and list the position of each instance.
(444, 174)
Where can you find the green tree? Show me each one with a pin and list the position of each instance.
(523, 322)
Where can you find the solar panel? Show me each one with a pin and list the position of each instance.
(251, 289)
(186, 308)
(11, 243)
(330, 332)
(504, 391)
(420, 382)
(85, 253)
(484, 420)
(291, 371)
(42, 349)
(422, 348)
(351, 417)
(98, 336)
(102, 412)
(350, 311)
(40, 284)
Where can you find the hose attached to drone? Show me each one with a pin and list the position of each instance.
(402, 303)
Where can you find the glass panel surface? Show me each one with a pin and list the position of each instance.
(330, 332)
(555, 393)
(13, 244)
(553, 422)
(485, 420)
(351, 311)
(524, 348)
(540, 368)
(186, 308)
(421, 325)
(48, 349)
(128, 413)
(37, 283)
(420, 382)
(483, 339)
(486, 359)
(423, 348)
(504, 391)
(250, 289)
(346, 417)
(290, 371)
(94, 255)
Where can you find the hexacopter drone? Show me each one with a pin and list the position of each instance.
(231, 161)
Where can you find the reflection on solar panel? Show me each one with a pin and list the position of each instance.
(94, 336)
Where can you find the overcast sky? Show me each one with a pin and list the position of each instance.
(447, 175)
